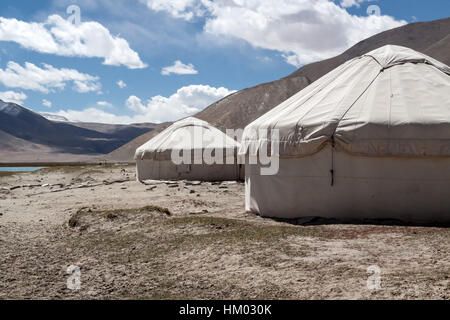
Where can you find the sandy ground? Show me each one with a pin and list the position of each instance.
(204, 246)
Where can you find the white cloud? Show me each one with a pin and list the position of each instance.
(95, 115)
(53, 117)
(185, 102)
(292, 59)
(121, 84)
(303, 31)
(185, 9)
(14, 97)
(46, 103)
(104, 104)
(46, 79)
(352, 3)
(58, 36)
(179, 68)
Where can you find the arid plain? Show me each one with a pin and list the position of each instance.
(186, 240)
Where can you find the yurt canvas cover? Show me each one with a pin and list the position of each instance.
(196, 138)
(370, 139)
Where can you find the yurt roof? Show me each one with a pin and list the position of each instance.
(187, 134)
(393, 101)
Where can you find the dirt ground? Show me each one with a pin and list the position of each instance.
(195, 241)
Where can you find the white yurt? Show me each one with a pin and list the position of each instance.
(190, 149)
(369, 140)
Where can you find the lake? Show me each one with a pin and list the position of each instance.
(20, 169)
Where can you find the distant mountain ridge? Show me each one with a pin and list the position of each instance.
(22, 131)
(431, 38)
(239, 109)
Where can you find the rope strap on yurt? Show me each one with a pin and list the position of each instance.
(333, 144)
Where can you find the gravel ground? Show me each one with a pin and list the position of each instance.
(127, 240)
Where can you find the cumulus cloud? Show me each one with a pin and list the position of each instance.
(185, 102)
(60, 37)
(121, 84)
(303, 31)
(179, 68)
(95, 115)
(184, 9)
(46, 79)
(104, 104)
(12, 96)
(46, 103)
(353, 3)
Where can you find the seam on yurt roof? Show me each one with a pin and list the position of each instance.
(369, 55)
(361, 111)
(390, 101)
(361, 139)
(417, 61)
(321, 89)
(423, 60)
(312, 95)
(351, 106)
(192, 125)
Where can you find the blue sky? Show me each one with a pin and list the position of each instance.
(53, 65)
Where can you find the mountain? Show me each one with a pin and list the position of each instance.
(53, 117)
(125, 130)
(24, 131)
(241, 108)
(13, 144)
(431, 38)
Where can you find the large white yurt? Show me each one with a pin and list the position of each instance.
(369, 140)
(190, 149)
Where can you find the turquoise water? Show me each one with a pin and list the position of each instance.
(20, 169)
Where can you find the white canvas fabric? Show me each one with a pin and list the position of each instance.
(188, 134)
(196, 138)
(167, 170)
(392, 101)
(387, 114)
(406, 189)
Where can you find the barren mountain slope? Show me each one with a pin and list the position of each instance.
(28, 136)
(420, 36)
